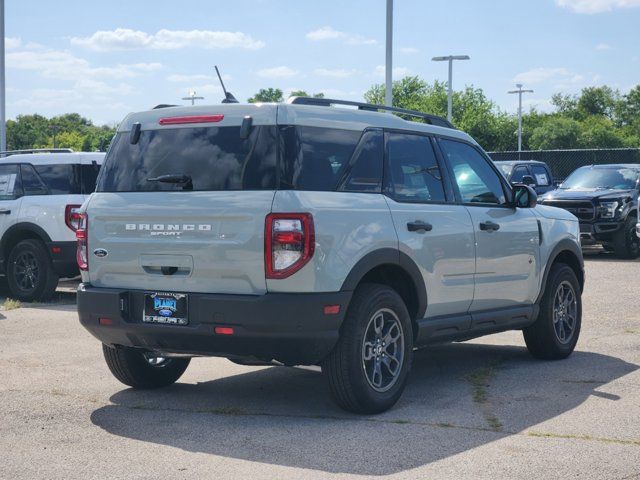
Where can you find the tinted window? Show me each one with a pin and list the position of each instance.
(518, 173)
(31, 183)
(414, 175)
(215, 158)
(59, 178)
(315, 158)
(477, 182)
(88, 175)
(9, 182)
(364, 173)
(541, 175)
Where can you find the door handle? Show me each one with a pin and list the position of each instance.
(419, 226)
(4, 211)
(489, 226)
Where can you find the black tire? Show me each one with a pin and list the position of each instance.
(544, 338)
(30, 273)
(131, 367)
(344, 368)
(626, 244)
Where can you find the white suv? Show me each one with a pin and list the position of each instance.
(40, 193)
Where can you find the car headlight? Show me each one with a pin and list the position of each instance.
(608, 209)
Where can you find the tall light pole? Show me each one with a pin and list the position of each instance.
(3, 120)
(192, 96)
(520, 91)
(388, 92)
(450, 59)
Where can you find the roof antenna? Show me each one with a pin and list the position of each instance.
(228, 96)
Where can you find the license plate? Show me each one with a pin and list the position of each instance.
(166, 308)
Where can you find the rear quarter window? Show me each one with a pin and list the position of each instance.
(61, 179)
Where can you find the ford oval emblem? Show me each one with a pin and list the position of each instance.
(165, 312)
(100, 252)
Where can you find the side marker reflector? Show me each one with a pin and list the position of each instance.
(105, 321)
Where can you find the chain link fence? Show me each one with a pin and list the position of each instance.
(563, 162)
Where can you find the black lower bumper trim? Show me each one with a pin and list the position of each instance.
(290, 328)
(63, 257)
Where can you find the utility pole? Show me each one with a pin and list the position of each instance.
(520, 91)
(388, 70)
(450, 59)
(192, 96)
(3, 119)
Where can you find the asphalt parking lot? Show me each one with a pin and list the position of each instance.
(480, 409)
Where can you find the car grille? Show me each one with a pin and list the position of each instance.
(582, 210)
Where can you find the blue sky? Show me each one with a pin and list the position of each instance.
(105, 59)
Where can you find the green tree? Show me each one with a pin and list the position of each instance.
(555, 133)
(27, 131)
(267, 95)
(303, 93)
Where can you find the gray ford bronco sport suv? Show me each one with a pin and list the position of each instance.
(309, 234)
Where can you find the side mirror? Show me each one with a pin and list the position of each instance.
(524, 196)
(528, 180)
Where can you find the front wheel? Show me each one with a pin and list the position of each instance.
(143, 370)
(627, 243)
(555, 333)
(368, 368)
(30, 273)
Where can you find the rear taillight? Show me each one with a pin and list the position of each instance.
(82, 254)
(289, 243)
(72, 216)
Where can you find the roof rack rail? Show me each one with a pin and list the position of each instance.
(163, 105)
(327, 102)
(6, 153)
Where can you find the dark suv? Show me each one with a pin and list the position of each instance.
(530, 172)
(605, 200)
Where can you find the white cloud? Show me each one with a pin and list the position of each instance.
(335, 72)
(128, 39)
(62, 65)
(596, 6)
(542, 74)
(277, 72)
(603, 46)
(329, 33)
(11, 43)
(409, 50)
(187, 78)
(396, 73)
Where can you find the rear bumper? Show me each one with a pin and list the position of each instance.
(288, 327)
(63, 256)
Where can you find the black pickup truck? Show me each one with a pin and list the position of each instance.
(605, 200)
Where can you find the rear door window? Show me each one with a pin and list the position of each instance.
(519, 173)
(31, 182)
(216, 159)
(88, 177)
(59, 178)
(315, 158)
(414, 174)
(541, 175)
(364, 173)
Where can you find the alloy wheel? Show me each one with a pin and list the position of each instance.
(565, 312)
(383, 350)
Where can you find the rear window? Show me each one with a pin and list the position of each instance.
(541, 175)
(215, 158)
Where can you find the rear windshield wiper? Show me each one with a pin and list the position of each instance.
(180, 179)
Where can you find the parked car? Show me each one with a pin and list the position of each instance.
(605, 200)
(302, 234)
(41, 192)
(530, 172)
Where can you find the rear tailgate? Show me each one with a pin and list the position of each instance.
(159, 236)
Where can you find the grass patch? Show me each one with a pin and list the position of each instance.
(480, 380)
(445, 425)
(632, 330)
(582, 437)
(11, 304)
(494, 423)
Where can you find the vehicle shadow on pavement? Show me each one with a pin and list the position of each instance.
(459, 397)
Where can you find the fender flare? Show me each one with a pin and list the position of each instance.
(388, 256)
(16, 228)
(562, 246)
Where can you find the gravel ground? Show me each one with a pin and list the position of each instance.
(480, 409)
